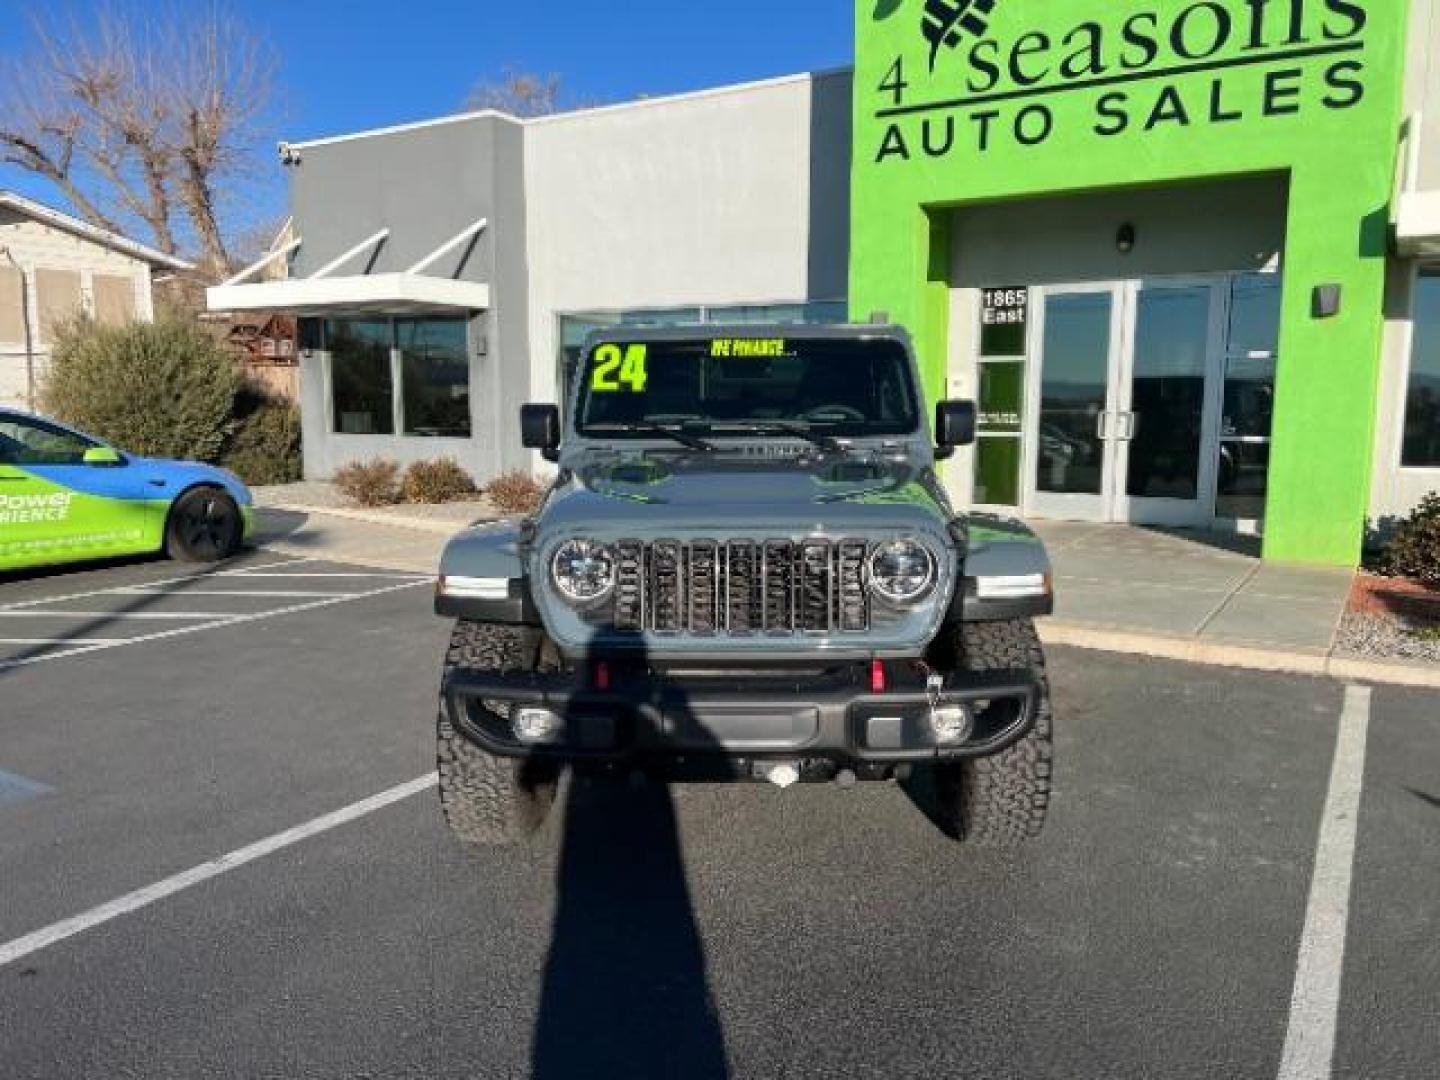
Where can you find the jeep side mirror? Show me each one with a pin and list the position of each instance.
(954, 425)
(103, 456)
(540, 429)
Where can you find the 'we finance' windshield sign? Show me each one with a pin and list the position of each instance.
(972, 74)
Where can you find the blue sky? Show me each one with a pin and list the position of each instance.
(346, 66)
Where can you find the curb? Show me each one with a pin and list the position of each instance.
(415, 524)
(1250, 657)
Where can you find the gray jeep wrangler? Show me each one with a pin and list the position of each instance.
(747, 569)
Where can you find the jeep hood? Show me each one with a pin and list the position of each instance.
(736, 494)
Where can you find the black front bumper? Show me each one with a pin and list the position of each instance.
(836, 719)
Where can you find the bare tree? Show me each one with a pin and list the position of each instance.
(519, 93)
(153, 118)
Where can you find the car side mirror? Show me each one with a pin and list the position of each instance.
(954, 426)
(103, 456)
(540, 430)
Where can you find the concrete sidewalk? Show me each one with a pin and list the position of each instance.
(338, 537)
(313, 497)
(1204, 598)
(1191, 585)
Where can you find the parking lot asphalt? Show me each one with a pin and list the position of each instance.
(1155, 931)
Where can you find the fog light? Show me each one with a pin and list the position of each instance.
(951, 724)
(537, 726)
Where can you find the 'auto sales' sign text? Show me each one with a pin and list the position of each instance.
(978, 74)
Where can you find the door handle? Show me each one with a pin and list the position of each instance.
(1132, 425)
(1102, 426)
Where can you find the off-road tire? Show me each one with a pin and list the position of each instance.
(1002, 800)
(487, 799)
(204, 526)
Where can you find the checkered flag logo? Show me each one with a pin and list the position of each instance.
(948, 21)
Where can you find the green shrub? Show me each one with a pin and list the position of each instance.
(1414, 550)
(515, 492)
(370, 483)
(265, 448)
(162, 389)
(439, 481)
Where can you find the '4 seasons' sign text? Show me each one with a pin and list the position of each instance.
(978, 74)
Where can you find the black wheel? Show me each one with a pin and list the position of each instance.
(204, 526)
(488, 799)
(1002, 800)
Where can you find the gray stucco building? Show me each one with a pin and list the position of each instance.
(445, 272)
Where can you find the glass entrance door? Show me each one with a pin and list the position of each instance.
(1078, 334)
(1168, 402)
(1126, 395)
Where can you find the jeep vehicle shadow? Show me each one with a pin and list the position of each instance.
(625, 991)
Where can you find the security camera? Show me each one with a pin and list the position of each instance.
(289, 154)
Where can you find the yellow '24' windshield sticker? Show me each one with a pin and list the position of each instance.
(620, 368)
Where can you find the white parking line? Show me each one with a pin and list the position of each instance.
(302, 577)
(268, 594)
(61, 641)
(1315, 1003)
(142, 898)
(113, 590)
(142, 616)
(230, 620)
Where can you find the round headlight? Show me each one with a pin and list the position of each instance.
(902, 571)
(584, 571)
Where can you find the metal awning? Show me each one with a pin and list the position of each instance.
(1417, 224)
(391, 293)
(410, 292)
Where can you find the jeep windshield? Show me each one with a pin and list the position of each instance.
(719, 387)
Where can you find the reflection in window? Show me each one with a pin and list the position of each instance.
(435, 377)
(1249, 398)
(813, 312)
(1244, 476)
(997, 470)
(363, 388)
(689, 316)
(1255, 314)
(1422, 403)
(1002, 396)
(1073, 393)
(1249, 410)
(1172, 331)
(34, 442)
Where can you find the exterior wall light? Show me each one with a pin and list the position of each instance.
(1325, 301)
(1125, 239)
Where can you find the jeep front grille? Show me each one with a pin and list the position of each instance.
(741, 588)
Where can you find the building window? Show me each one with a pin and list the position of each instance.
(1004, 328)
(58, 299)
(435, 377)
(425, 361)
(574, 329)
(114, 298)
(1251, 358)
(361, 378)
(1422, 402)
(13, 323)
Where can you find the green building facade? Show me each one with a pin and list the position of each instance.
(1089, 153)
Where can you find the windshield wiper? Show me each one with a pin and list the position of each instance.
(779, 427)
(667, 431)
